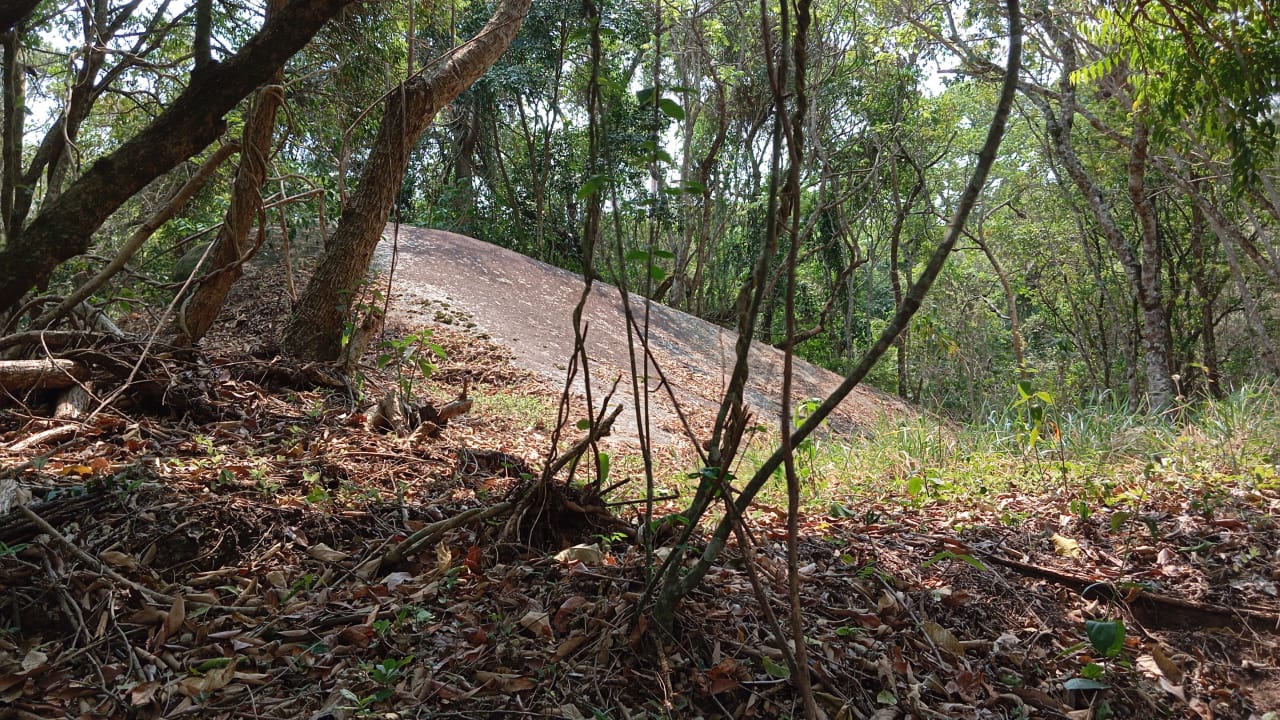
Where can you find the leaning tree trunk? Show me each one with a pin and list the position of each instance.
(315, 329)
(65, 227)
(232, 247)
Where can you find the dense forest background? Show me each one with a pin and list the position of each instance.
(1123, 252)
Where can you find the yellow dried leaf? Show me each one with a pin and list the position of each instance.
(1065, 546)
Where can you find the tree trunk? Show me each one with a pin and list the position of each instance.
(315, 329)
(65, 227)
(14, 82)
(1155, 320)
(232, 247)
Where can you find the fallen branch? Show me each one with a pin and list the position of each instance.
(436, 530)
(61, 432)
(49, 373)
(1151, 609)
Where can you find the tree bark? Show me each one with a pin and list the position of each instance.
(65, 227)
(14, 83)
(315, 329)
(40, 374)
(139, 236)
(1156, 338)
(232, 247)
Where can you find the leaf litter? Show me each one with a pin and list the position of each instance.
(232, 567)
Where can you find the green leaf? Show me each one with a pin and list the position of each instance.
(775, 669)
(840, 511)
(1106, 636)
(664, 254)
(603, 460)
(1084, 684)
(1118, 519)
(915, 485)
(637, 256)
(213, 664)
(671, 109)
(657, 273)
(584, 424)
(645, 96)
(886, 697)
(591, 186)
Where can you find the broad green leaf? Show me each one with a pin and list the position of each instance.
(671, 109)
(1106, 636)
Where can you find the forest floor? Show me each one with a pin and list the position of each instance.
(232, 561)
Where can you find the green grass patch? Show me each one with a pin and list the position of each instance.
(1102, 454)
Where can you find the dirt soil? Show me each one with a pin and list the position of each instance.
(527, 306)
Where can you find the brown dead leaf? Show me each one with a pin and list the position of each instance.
(570, 644)
(118, 559)
(538, 623)
(323, 552)
(563, 615)
(173, 620)
(505, 682)
(143, 693)
(357, 635)
(943, 638)
(216, 679)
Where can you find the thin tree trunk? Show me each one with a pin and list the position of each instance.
(232, 247)
(677, 582)
(315, 329)
(14, 91)
(1155, 321)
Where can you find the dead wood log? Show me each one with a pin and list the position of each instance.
(40, 374)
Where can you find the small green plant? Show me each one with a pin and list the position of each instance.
(302, 584)
(6, 550)
(1106, 638)
(415, 351)
(1032, 407)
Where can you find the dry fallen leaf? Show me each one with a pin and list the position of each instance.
(573, 642)
(505, 682)
(142, 693)
(34, 660)
(585, 554)
(943, 638)
(1065, 546)
(320, 551)
(538, 623)
(118, 559)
